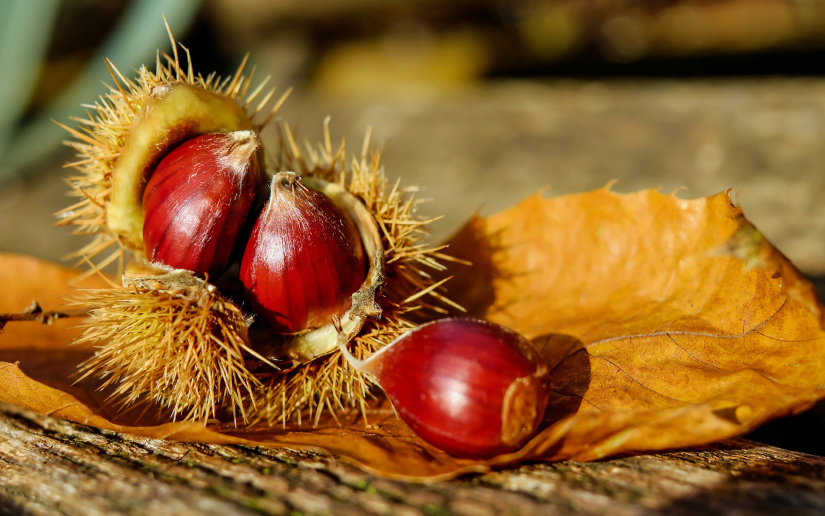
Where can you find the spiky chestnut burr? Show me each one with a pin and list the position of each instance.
(197, 201)
(127, 133)
(472, 388)
(173, 339)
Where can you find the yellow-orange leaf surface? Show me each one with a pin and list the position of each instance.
(667, 323)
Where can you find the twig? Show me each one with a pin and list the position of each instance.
(35, 313)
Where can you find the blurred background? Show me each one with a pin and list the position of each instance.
(479, 102)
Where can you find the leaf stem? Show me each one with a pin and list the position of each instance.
(35, 313)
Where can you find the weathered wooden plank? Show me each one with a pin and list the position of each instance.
(50, 466)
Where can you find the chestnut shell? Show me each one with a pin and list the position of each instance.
(470, 387)
(303, 260)
(197, 201)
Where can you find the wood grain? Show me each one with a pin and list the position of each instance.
(50, 467)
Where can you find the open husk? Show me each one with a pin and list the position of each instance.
(173, 338)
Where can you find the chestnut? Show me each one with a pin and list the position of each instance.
(304, 259)
(470, 387)
(197, 201)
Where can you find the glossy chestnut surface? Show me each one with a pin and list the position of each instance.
(303, 260)
(197, 201)
(472, 388)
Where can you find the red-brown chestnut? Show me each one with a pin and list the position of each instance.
(472, 388)
(304, 259)
(197, 200)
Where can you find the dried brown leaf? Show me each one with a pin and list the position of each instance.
(667, 322)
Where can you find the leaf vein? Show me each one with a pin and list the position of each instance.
(688, 353)
(692, 333)
(640, 383)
